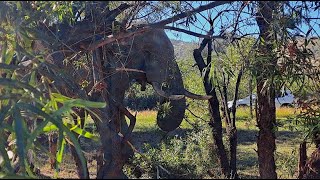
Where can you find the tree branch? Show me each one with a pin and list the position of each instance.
(193, 33)
(114, 13)
(244, 4)
(185, 14)
(112, 38)
(197, 53)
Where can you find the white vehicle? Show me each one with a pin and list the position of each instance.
(285, 99)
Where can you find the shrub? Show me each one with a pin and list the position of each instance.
(190, 156)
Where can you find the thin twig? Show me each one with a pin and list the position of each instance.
(196, 115)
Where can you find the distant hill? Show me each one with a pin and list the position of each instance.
(184, 50)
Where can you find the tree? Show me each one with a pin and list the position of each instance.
(66, 30)
(82, 29)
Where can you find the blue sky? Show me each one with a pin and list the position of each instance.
(202, 22)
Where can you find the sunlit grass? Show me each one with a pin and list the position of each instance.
(147, 120)
(285, 112)
(243, 113)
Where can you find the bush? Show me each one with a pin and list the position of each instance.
(179, 157)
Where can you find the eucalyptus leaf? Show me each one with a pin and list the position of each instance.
(61, 126)
(18, 127)
(17, 84)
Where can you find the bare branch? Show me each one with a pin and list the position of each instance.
(196, 115)
(194, 33)
(114, 13)
(185, 14)
(244, 4)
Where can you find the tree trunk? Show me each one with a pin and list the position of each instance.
(266, 111)
(233, 137)
(302, 159)
(266, 118)
(312, 168)
(215, 123)
(215, 120)
(113, 147)
(250, 92)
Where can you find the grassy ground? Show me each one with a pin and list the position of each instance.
(146, 131)
(287, 141)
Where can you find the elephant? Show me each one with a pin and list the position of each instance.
(153, 54)
(146, 58)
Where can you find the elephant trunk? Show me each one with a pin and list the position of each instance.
(171, 110)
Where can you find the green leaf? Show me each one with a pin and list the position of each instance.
(8, 66)
(19, 7)
(12, 176)
(4, 51)
(28, 169)
(8, 127)
(85, 103)
(50, 128)
(59, 155)
(61, 126)
(67, 107)
(61, 147)
(16, 84)
(83, 132)
(18, 127)
(3, 111)
(8, 57)
(32, 81)
(38, 130)
(59, 97)
(4, 154)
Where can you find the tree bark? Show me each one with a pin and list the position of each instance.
(250, 92)
(215, 120)
(266, 118)
(302, 159)
(233, 137)
(266, 111)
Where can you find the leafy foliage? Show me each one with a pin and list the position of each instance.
(27, 95)
(187, 157)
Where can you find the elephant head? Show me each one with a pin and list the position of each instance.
(153, 54)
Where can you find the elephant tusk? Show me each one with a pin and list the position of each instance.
(156, 86)
(196, 96)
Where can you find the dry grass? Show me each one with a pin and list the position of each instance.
(285, 112)
(243, 113)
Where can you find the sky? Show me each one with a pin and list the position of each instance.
(251, 28)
